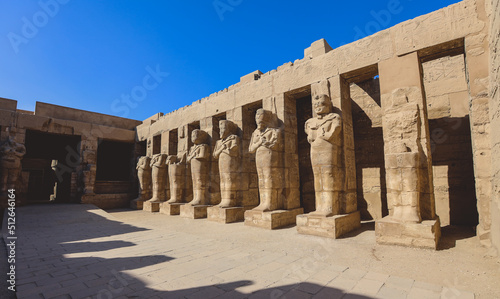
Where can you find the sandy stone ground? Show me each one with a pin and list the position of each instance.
(80, 251)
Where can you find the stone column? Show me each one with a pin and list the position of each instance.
(332, 155)
(477, 61)
(88, 148)
(144, 177)
(159, 179)
(408, 162)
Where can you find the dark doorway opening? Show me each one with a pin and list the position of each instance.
(41, 150)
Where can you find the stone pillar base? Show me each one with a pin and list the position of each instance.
(329, 227)
(151, 206)
(226, 215)
(194, 212)
(272, 219)
(420, 235)
(170, 208)
(137, 204)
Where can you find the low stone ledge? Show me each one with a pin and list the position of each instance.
(272, 219)
(194, 212)
(329, 227)
(170, 208)
(420, 235)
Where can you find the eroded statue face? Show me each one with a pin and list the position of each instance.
(196, 137)
(223, 129)
(261, 119)
(321, 104)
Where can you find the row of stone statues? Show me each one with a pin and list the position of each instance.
(267, 143)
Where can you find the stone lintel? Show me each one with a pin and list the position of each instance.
(171, 208)
(420, 235)
(226, 215)
(151, 206)
(329, 227)
(272, 219)
(194, 212)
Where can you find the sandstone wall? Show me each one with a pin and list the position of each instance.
(495, 118)
(448, 110)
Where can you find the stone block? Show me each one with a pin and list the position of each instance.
(171, 208)
(329, 227)
(272, 219)
(137, 204)
(226, 215)
(420, 235)
(151, 206)
(194, 212)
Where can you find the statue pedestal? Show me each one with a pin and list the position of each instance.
(137, 204)
(226, 215)
(194, 212)
(151, 206)
(272, 219)
(171, 208)
(421, 235)
(329, 227)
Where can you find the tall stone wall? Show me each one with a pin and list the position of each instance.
(448, 108)
(495, 119)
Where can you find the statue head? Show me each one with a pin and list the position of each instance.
(263, 118)
(226, 128)
(199, 136)
(322, 104)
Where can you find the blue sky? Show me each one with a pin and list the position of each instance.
(136, 58)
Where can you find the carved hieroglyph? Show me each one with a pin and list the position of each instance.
(11, 154)
(144, 176)
(227, 150)
(199, 156)
(176, 178)
(323, 133)
(266, 142)
(158, 174)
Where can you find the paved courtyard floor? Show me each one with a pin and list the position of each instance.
(80, 251)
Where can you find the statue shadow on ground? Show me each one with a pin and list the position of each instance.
(47, 268)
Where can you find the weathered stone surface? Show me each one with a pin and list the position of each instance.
(170, 208)
(421, 235)
(226, 215)
(272, 219)
(144, 176)
(227, 151)
(329, 227)
(193, 212)
(199, 157)
(266, 143)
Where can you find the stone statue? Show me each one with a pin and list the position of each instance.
(265, 142)
(11, 153)
(199, 156)
(53, 165)
(176, 178)
(158, 174)
(323, 133)
(227, 150)
(144, 176)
